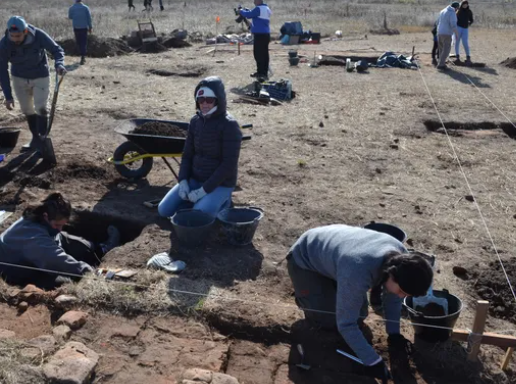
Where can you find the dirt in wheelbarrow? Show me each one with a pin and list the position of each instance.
(160, 129)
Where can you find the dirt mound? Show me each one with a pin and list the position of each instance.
(82, 171)
(432, 309)
(188, 72)
(492, 286)
(97, 47)
(160, 129)
(510, 62)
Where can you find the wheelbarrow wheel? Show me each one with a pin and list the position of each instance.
(135, 170)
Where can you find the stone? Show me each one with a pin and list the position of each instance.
(28, 374)
(221, 378)
(32, 294)
(73, 364)
(31, 354)
(5, 334)
(23, 306)
(74, 319)
(66, 300)
(197, 374)
(46, 343)
(126, 331)
(62, 333)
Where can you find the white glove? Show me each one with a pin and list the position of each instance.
(197, 195)
(184, 189)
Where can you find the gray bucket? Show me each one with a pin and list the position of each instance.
(420, 320)
(192, 226)
(239, 224)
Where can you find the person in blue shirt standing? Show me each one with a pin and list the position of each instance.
(25, 47)
(80, 15)
(260, 16)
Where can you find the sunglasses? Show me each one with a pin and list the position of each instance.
(208, 100)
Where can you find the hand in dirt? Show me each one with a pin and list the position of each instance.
(398, 343)
(378, 371)
(196, 195)
(61, 71)
(9, 104)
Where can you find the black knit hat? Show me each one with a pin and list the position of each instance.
(412, 273)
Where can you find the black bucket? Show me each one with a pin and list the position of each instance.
(419, 320)
(192, 226)
(239, 224)
(398, 233)
(9, 137)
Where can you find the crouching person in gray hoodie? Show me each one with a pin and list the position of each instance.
(35, 250)
(26, 47)
(333, 267)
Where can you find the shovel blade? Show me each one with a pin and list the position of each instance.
(47, 151)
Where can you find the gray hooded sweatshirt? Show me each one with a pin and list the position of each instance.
(353, 257)
(31, 244)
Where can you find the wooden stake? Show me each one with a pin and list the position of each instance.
(502, 341)
(238, 44)
(478, 329)
(507, 358)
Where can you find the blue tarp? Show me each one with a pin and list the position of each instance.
(292, 28)
(391, 60)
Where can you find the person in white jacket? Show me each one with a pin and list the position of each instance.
(446, 28)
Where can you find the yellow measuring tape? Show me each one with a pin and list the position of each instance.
(130, 159)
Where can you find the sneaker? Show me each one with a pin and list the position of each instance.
(442, 67)
(254, 74)
(83, 60)
(434, 62)
(112, 241)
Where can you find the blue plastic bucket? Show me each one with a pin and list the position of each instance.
(192, 226)
(239, 224)
(398, 233)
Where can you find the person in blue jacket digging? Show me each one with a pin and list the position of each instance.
(333, 267)
(209, 165)
(80, 15)
(25, 47)
(261, 17)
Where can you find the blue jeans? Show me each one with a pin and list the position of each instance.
(211, 204)
(463, 35)
(81, 38)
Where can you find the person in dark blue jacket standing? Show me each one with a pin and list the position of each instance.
(260, 16)
(209, 165)
(80, 15)
(25, 47)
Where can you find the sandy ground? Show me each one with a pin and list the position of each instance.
(350, 148)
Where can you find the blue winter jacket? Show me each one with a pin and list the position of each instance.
(29, 59)
(212, 147)
(261, 17)
(80, 15)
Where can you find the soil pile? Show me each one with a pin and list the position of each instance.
(492, 286)
(432, 309)
(160, 129)
(98, 47)
(510, 62)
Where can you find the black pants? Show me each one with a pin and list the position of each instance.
(79, 248)
(435, 50)
(261, 52)
(315, 292)
(81, 38)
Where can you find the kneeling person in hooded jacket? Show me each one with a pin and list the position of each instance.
(209, 165)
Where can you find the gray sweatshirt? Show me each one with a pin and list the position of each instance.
(28, 243)
(353, 257)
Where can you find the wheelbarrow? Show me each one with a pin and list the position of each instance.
(134, 158)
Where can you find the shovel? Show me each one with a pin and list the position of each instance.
(46, 148)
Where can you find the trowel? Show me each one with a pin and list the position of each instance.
(303, 364)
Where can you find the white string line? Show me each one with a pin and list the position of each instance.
(467, 183)
(214, 296)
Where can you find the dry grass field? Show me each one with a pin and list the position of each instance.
(350, 148)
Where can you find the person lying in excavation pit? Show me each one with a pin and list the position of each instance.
(54, 257)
